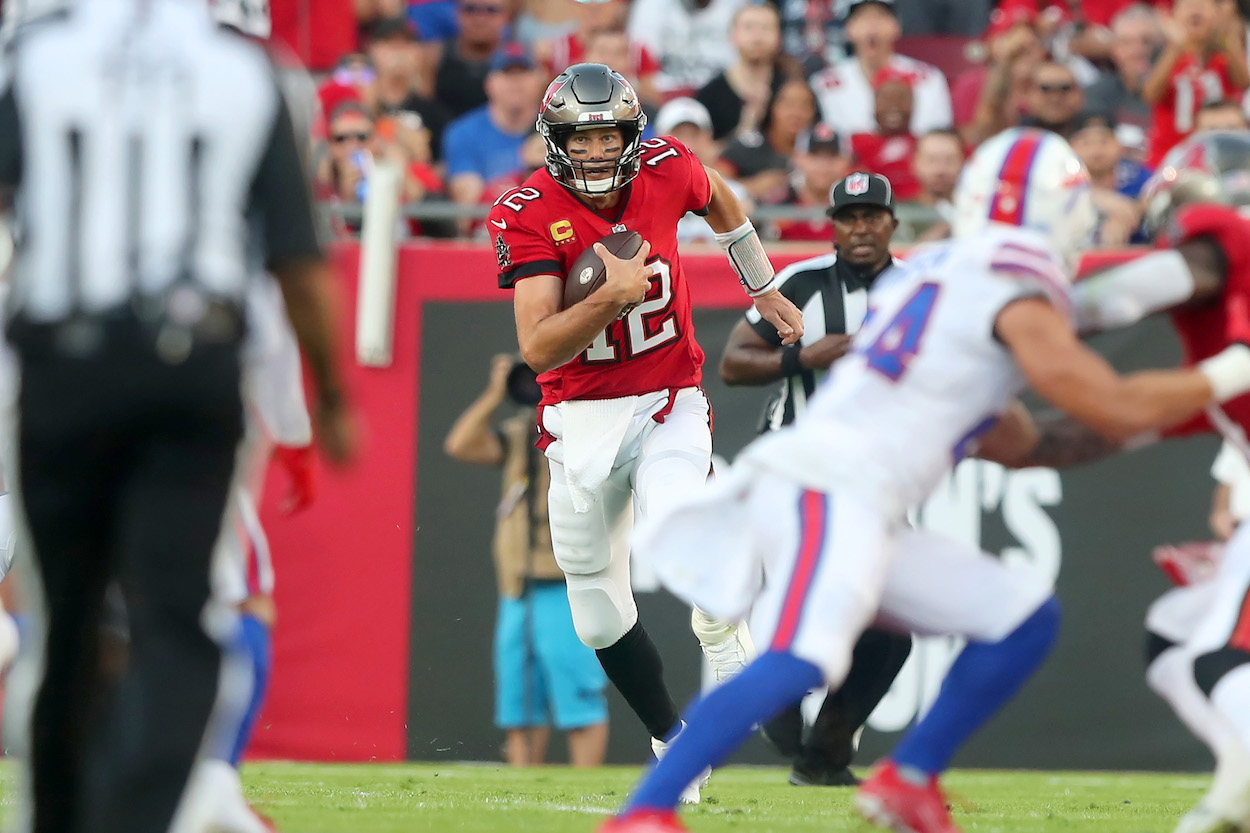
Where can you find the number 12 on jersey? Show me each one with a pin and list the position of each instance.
(899, 341)
(647, 326)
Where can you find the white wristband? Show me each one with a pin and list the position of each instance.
(1228, 372)
(748, 258)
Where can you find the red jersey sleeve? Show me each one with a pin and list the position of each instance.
(1203, 330)
(521, 249)
(679, 173)
(1221, 223)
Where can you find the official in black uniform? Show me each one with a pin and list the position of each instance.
(150, 152)
(832, 291)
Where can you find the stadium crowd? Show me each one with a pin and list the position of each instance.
(783, 98)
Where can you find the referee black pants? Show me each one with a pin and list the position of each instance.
(125, 465)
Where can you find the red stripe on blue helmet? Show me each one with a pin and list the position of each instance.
(1013, 180)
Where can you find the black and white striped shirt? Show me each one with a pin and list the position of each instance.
(150, 150)
(834, 301)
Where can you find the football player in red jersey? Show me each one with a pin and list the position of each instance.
(1199, 635)
(1205, 61)
(622, 417)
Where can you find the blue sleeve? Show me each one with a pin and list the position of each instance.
(434, 21)
(458, 150)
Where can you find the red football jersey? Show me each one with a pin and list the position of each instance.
(1203, 329)
(541, 228)
(1191, 86)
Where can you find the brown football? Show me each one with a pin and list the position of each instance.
(589, 273)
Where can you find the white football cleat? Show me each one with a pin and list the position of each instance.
(214, 801)
(693, 793)
(1205, 819)
(1226, 806)
(727, 657)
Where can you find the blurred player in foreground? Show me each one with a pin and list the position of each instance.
(807, 534)
(622, 415)
(832, 290)
(1199, 633)
(278, 427)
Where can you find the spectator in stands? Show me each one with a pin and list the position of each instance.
(353, 79)
(355, 139)
(939, 159)
(1204, 61)
(400, 85)
(545, 20)
(820, 162)
(991, 98)
(1116, 180)
(641, 67)
(544, 675)
(736, 98)
(319, 32)
(1094, 140)
(1055, 99)
(1136, 35)
(811, 33)
(690, 38)
(613, 48)
(352, 142)
(888, 150)
(845, 89)
(483, 148)
(433, 20)
(460, 79)
(1225, 114)
(761, 160)
(967, 18)
(689, 122)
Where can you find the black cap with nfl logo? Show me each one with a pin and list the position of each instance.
(861, 188)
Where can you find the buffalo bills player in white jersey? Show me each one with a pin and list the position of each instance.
(805, 535)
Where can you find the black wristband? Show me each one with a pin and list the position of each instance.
(790, 360)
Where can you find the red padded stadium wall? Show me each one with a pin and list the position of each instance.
(344, 567)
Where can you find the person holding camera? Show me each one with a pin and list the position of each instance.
(544, 675)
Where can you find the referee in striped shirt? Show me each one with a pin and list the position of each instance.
(151, 156)
(832, 292)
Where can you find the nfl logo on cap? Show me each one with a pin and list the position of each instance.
(857, 184)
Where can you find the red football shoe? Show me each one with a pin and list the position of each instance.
(644, 821)
(887, 800)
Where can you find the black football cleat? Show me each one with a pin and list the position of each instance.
(785, 732)
(802, 776)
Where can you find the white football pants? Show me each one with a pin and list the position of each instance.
(655, 463)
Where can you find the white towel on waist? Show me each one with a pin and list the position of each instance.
(592, 432)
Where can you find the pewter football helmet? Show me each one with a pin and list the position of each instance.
(584, 97)
(1211, 166)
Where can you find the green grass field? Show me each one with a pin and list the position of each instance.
(318, 798)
